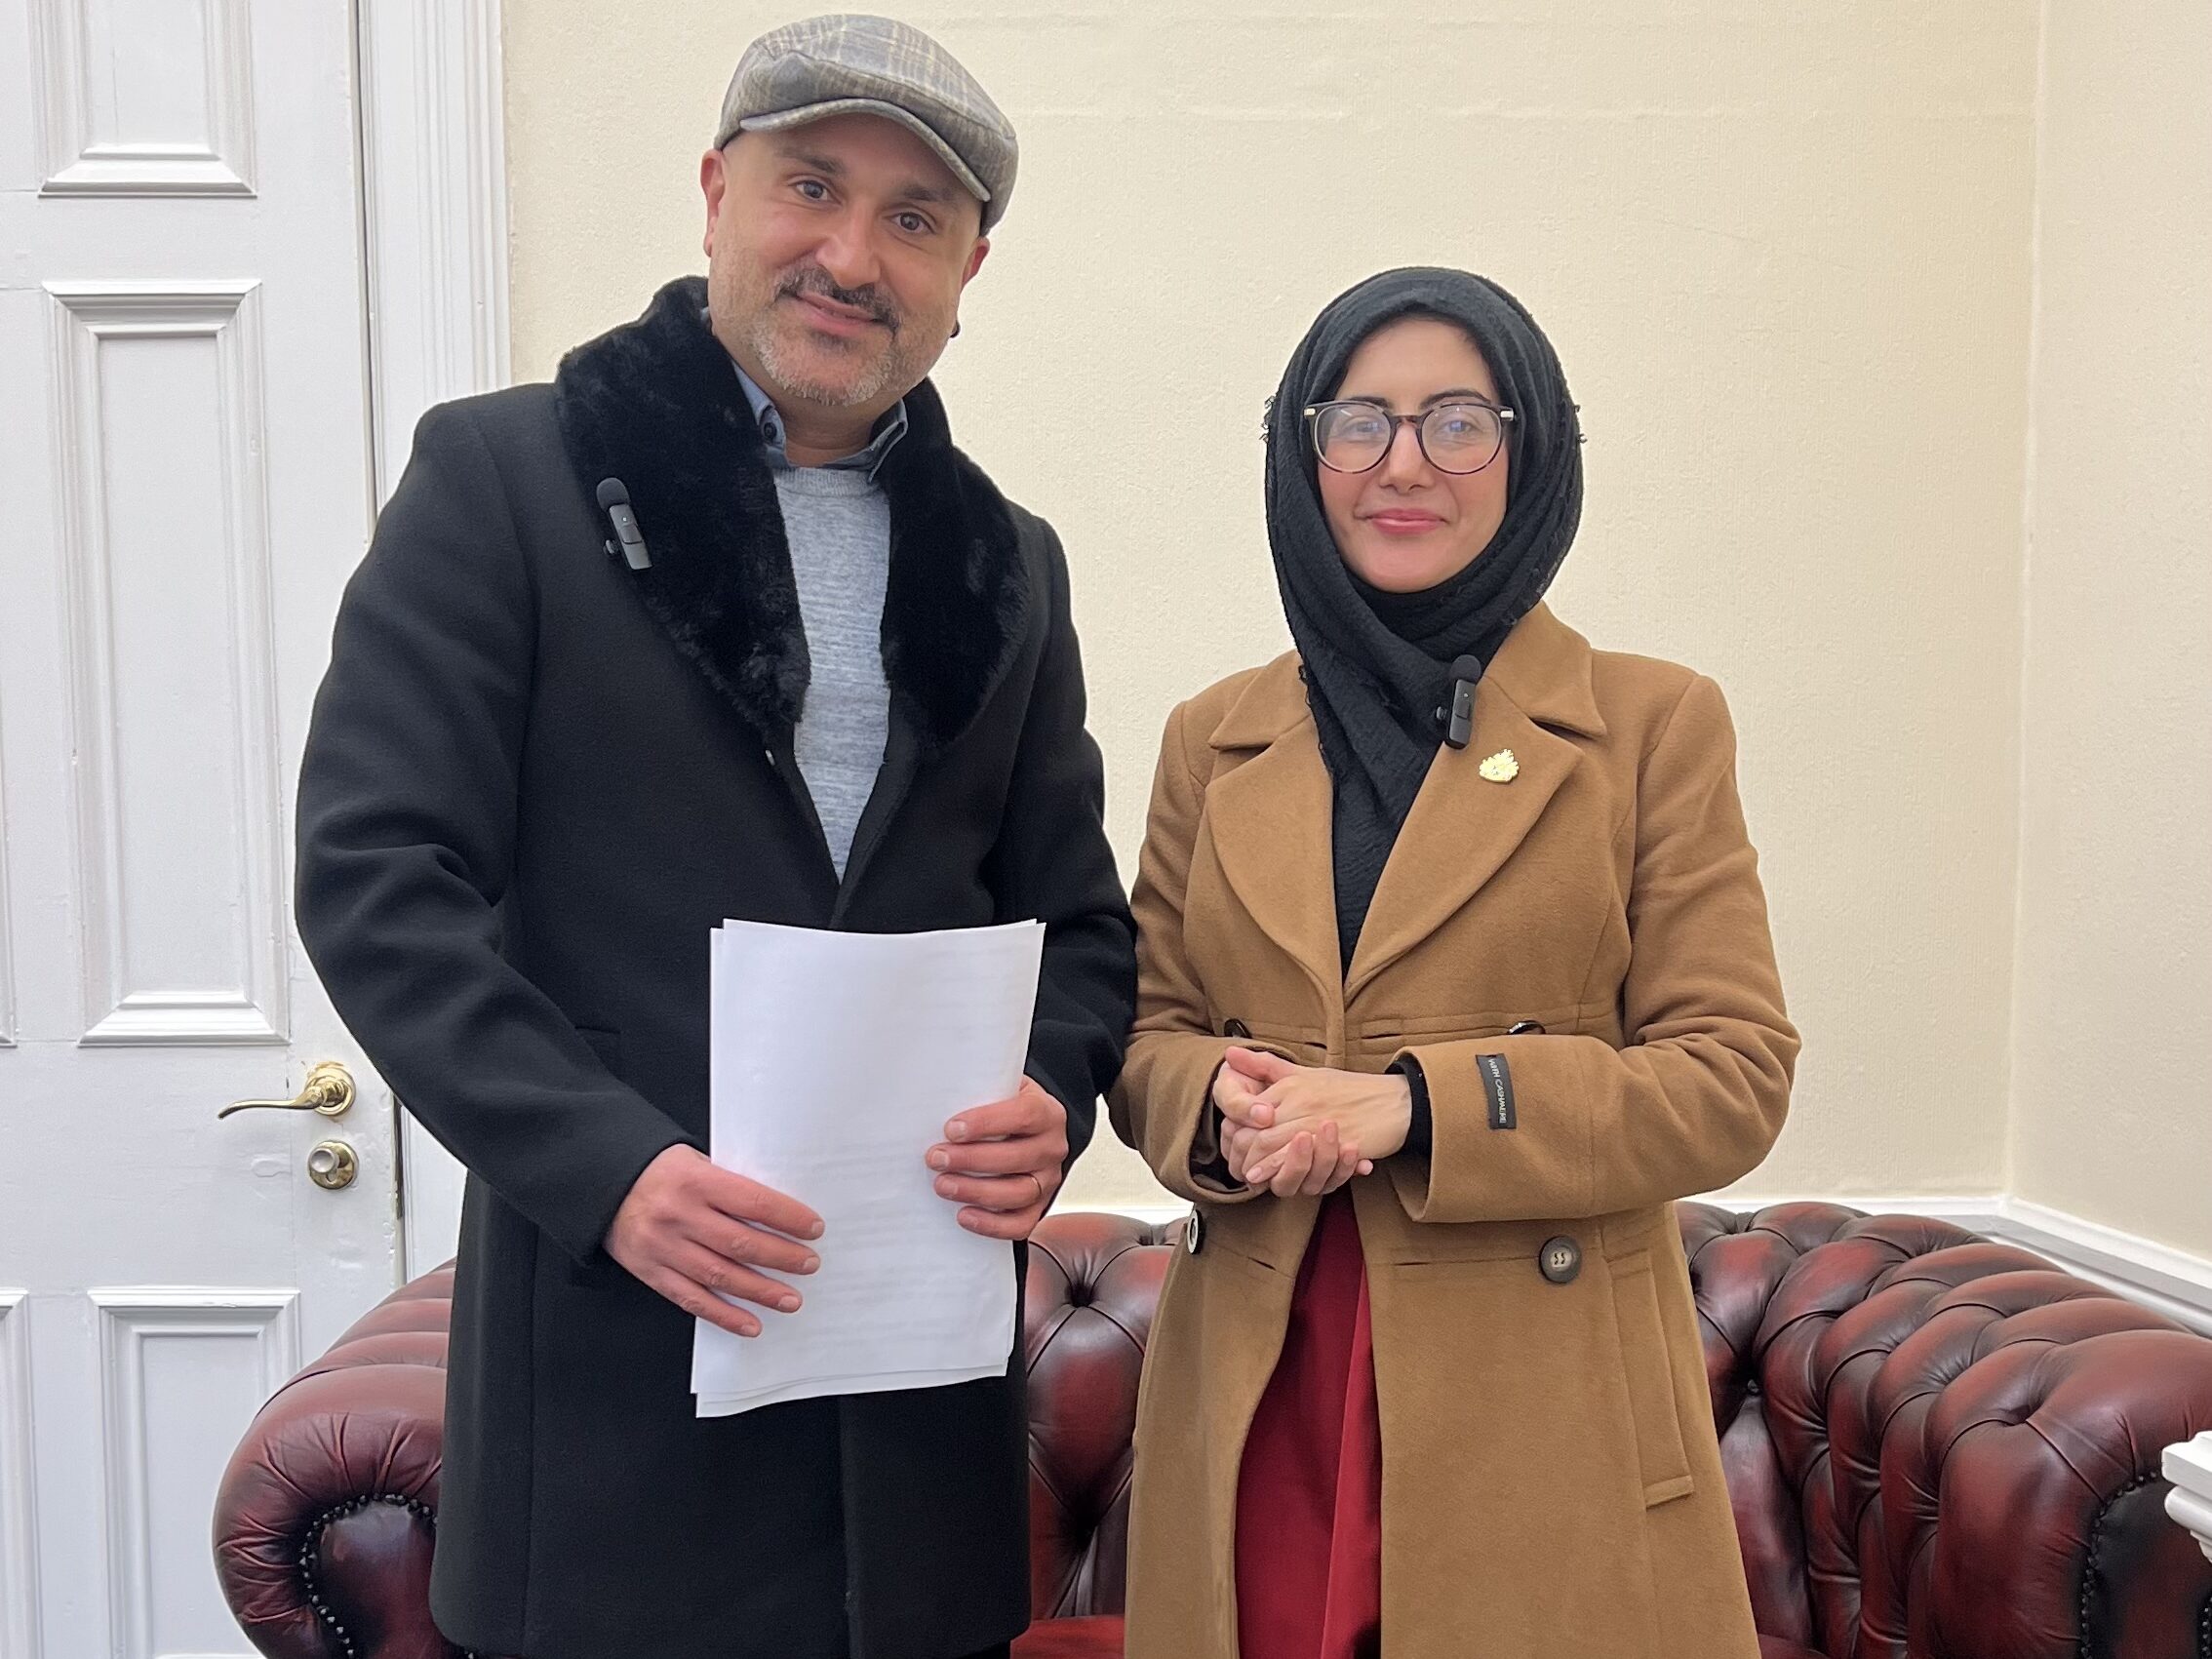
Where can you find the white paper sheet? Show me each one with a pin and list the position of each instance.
(835, 1061)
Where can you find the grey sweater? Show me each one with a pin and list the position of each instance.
(837, 522)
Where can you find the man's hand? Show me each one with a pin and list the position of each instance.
(1306, 1129)
(695, 1231)
(1003, 1163)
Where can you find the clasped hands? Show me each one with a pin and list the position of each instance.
(1292, 1129)
(697, 1233)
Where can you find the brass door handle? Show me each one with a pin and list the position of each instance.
(329, 1090)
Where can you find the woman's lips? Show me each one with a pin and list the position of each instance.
(1404, 524)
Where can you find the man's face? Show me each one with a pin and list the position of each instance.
(837, 253)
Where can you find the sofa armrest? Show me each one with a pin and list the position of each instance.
(326, 1516)
(1990, 1473)
(1943, 1445)
(2047, 1455)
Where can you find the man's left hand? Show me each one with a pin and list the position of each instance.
(1003, 1163)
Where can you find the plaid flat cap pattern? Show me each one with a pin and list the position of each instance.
(849, 63)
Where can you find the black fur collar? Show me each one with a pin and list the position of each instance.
(656, 404)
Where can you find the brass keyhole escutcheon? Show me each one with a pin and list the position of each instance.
(331, 1165)
(329, 1090)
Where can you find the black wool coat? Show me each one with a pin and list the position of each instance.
(534, 781)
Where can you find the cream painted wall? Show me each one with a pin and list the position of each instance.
(2112, 1118)
(1784, 252)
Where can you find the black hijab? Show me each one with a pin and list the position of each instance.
(1377, 665)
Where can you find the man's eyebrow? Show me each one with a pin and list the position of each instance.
(829, 167)
(922, 190)
(814, 160)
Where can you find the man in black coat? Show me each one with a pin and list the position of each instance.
(817, 671)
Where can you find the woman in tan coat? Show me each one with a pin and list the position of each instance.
(1454, 971)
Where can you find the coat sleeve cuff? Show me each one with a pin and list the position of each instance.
(1486, 1161)
(585, 1239)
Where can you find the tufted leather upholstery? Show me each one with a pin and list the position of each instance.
(1093, 1281)
(326, 1515)
(1942, 1448)
(1938, 1447)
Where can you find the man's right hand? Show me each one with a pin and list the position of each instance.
(691, 1229)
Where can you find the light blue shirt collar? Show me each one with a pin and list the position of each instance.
(889, 431)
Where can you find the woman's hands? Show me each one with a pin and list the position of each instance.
(1306, 1129)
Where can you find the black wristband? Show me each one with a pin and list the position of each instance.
(1421, 1128)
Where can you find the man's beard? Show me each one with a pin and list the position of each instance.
(790, 365)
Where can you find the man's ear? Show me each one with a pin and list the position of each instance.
(975, 259)
(714, 184)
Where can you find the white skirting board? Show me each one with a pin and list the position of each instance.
(2173, 1282)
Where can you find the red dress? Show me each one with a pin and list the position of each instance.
(1308, 1491)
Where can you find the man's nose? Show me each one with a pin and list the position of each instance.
(848, 252)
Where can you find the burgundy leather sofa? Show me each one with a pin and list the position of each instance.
(1938, 1447)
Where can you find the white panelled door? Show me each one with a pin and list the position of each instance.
(185, 483)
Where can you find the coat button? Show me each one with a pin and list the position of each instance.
(1236, 1028)
(1524, 1028)
(1561, 1259)
(1194, 1234)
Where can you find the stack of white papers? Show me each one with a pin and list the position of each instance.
(835, 1061)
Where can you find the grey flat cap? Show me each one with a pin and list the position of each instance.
(849, 64)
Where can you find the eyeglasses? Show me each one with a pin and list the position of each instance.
(1352, 436)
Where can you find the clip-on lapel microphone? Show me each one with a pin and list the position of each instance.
(615, 499)
(1458, 721)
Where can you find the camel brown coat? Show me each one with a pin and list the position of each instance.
(1552, 1486)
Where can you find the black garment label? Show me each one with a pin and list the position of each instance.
(1497, 1088)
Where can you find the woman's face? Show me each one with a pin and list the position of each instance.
(1404, 525)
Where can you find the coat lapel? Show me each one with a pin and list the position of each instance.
(1461, 830)
(657, 405)
(1464, 826)
(902, 758)
(1270, 820)
(956, 611)
(958, 603)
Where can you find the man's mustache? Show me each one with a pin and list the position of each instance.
(818, 281)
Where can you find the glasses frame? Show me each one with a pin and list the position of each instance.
(1314, 411)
